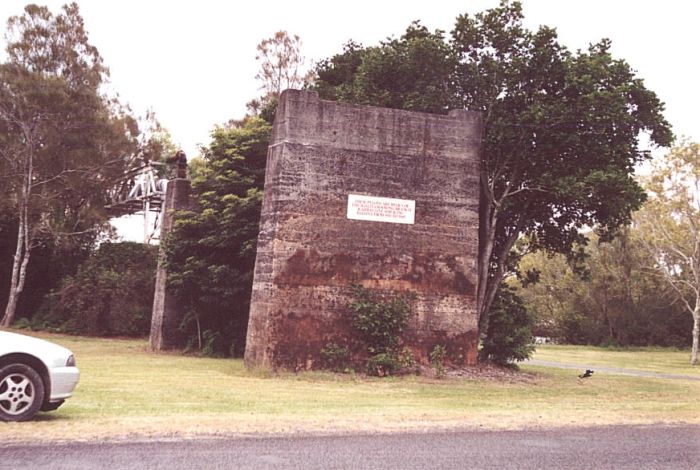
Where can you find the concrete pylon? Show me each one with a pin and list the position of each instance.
(167, 313)
(359, 195)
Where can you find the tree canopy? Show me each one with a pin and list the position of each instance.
(281, 67)
(670, 222)
(560, 128)
(62, 141)
(211, 249)
(111, 294)
(617, 301)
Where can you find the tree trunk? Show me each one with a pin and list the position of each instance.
(11, 308)
(487, 237)
(696, 332)
(486, 241)
(19, 272)
(494, 282)
(21, 258)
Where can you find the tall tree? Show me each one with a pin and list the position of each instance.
(61, 140)
(110, 294)
(616, 302)
(670, 224)
(413, 72)
(281, 67)
(211, 249)
(560, 129)
(281, 63)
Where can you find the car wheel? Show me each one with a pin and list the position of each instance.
(21, 392)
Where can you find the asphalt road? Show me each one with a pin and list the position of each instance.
(613, 447)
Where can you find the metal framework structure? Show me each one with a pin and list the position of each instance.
(140, 191)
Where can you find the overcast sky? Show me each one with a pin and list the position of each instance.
(193, 62)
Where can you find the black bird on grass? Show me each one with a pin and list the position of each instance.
(586, 374)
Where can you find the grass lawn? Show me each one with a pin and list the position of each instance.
(664, 360)
(127, 391)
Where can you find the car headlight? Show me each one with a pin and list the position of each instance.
(71, 361)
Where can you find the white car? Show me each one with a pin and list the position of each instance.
(34, 375)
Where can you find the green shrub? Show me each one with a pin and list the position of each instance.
(509, 333)
(210, 250)
(335, 357)
(407, 362)
(111, 294)
(22, 323)
(437, 359)
(382, 364)
(379, 320)
(213, 343)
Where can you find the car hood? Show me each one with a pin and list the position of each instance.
(52, 354)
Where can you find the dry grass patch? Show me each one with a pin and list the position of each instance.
(652, 359)
(127, 391)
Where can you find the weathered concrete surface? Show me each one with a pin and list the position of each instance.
(167, 313)
(309, 252)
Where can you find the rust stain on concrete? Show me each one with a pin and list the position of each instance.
(310, 252)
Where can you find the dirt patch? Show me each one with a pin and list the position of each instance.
(492, 372)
